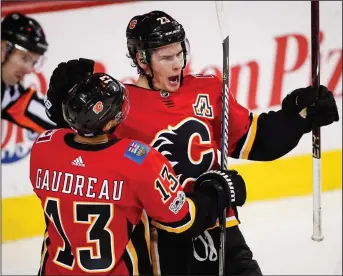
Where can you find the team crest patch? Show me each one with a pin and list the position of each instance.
(202, 107)
(137, 152)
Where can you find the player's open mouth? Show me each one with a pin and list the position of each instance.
(174, 80)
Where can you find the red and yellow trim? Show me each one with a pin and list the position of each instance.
(250, 139)
(182, 228)
(133, 255)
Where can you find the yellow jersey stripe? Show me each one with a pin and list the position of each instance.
(145, 221)
(183, 227)
(231, 221)
(250, 139)
(133, 255)
(45, 249)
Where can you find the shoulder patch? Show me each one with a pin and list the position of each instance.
(137, 152)
(45, 136)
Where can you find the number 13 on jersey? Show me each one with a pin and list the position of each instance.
(166, 183)
(98, 216)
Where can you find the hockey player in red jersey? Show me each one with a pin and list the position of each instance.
(97, 191)
(180, 117)
(187, 124)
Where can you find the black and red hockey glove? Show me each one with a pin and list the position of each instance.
(321, 110)
(227, 185)
(64, 77)
(324, 112)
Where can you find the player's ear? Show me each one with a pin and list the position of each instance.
(142, 61)
(109, 125)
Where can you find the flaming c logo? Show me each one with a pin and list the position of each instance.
(133, 24)
(98, 107)
(178, 144)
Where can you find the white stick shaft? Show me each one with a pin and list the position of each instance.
(317, 205)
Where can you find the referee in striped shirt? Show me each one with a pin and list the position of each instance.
(23, 44)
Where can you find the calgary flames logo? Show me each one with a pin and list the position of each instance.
(133, 24)
(98, 107)
(187, 146)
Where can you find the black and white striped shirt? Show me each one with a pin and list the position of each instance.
(24, 107)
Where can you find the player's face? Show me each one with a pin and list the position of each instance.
(167, 63)
(18, 64)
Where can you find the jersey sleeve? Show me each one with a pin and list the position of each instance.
(166, 203)
(162, 196)
(261, 137)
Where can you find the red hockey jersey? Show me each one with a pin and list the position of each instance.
(185, 126)
(96, 197)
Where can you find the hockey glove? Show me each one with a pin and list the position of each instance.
(229, 187)
(320, 111)
(324, 112)
(64, 77)
(297, 100)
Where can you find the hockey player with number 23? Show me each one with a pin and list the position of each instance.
(180, 116)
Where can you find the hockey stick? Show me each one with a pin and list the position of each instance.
(316, 148)
(225, 129)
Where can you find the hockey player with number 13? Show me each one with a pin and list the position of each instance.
(97, 213)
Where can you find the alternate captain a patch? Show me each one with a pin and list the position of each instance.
(202, 107)
(137, 152)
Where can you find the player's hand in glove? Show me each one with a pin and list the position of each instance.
(227, 185)
(320, 111)
(64, 77)
(324, 112)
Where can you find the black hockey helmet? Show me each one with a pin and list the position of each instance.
(153, 30)
(93, 102)
(25, 32)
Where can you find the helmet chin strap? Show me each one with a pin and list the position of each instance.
(150, 78)
(181, 78)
